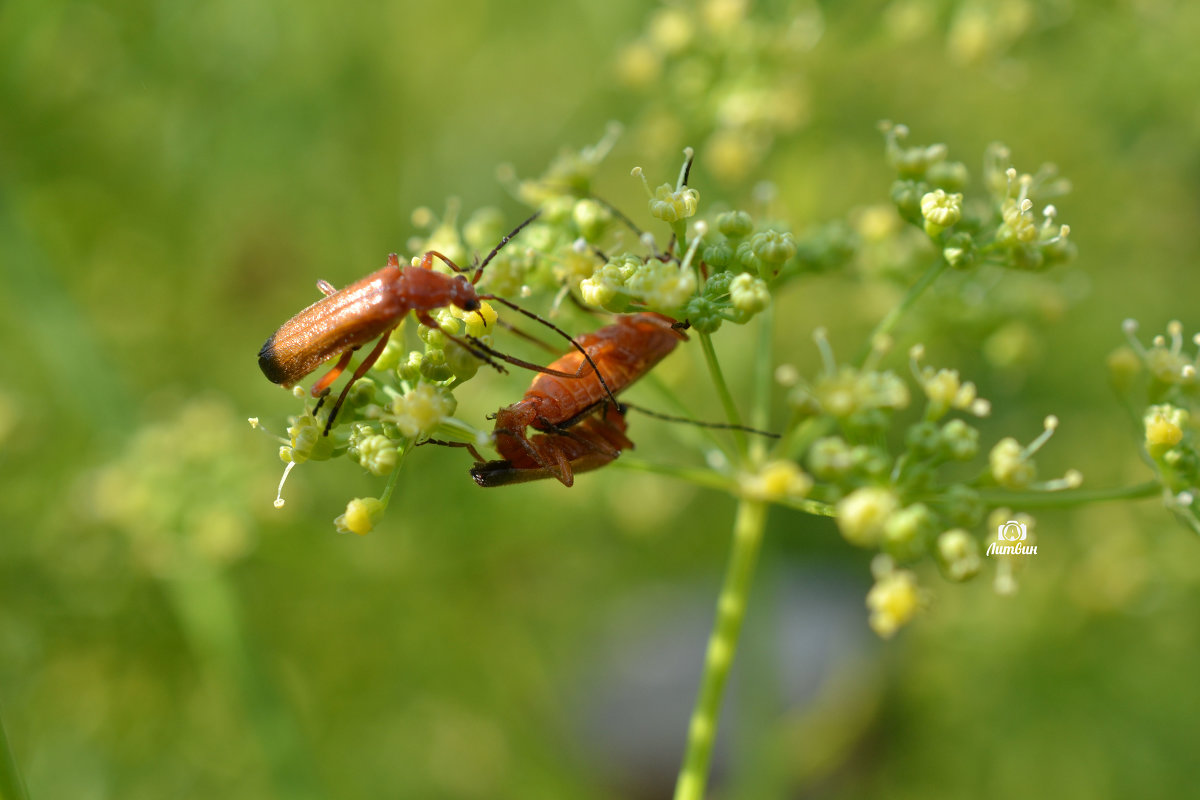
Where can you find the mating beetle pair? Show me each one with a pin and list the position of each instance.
(562, 401)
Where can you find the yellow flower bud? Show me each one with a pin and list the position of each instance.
(776, 481)
(893, 601)
(361, 515)
(862, 513)
(1164, 427)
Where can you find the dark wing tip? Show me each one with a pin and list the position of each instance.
(268, 362)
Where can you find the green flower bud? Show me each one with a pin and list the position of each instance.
(704, 315)
(361, 393)
(907, 197)
(830, 458)
(419, 412)
(735, 224)
(601, 294)
(377, 454)
(459, 361)
(830, 247)
(766, 252)
(940, 211)
(958, 555)
(960, 440)
(949, 175)
(434, 367)
(307, 441)
(1028, 258)
(718, 254)
(959, 250)
(410, 368)
(557, 210)
(432, 337)
(1009, 466)
(670, 205)
(591, 218)
(907, 533)
(716, 288)
(871, 461)
(862, 514)
(910, 162)
(963, 506)
(924, 439)
(749, 294)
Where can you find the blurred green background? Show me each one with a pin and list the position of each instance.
(175, 176)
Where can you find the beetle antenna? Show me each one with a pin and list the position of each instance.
(561, 333)
(722, 426)
(529, 337)
(504, 241)
(618, 213)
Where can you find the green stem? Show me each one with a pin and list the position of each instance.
(680, 230)
(1069, 498)
(712, 480)
(814, 507)
(394, 478)
(701, 477)
(718, 378)
(760, 412)
(209, 609)
(893, 317)
(11, 785)
(722, 645)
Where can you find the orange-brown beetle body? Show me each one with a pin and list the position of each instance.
(621, 352)
(357, 314)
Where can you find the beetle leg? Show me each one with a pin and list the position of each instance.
(427, 261)
(361, 370)
(321, 387)
(470, 448)
(555, 461)
(546, 456)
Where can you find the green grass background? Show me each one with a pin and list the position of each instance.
(174, 176)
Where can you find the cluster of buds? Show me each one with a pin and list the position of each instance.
(690, 63)
(183, 491)
(631, 281)
(1000, 228)
(909, 505)
(1160, 381)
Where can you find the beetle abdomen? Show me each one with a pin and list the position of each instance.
(343, 321)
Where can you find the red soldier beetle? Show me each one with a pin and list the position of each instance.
(618, 354)
(572, 437)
